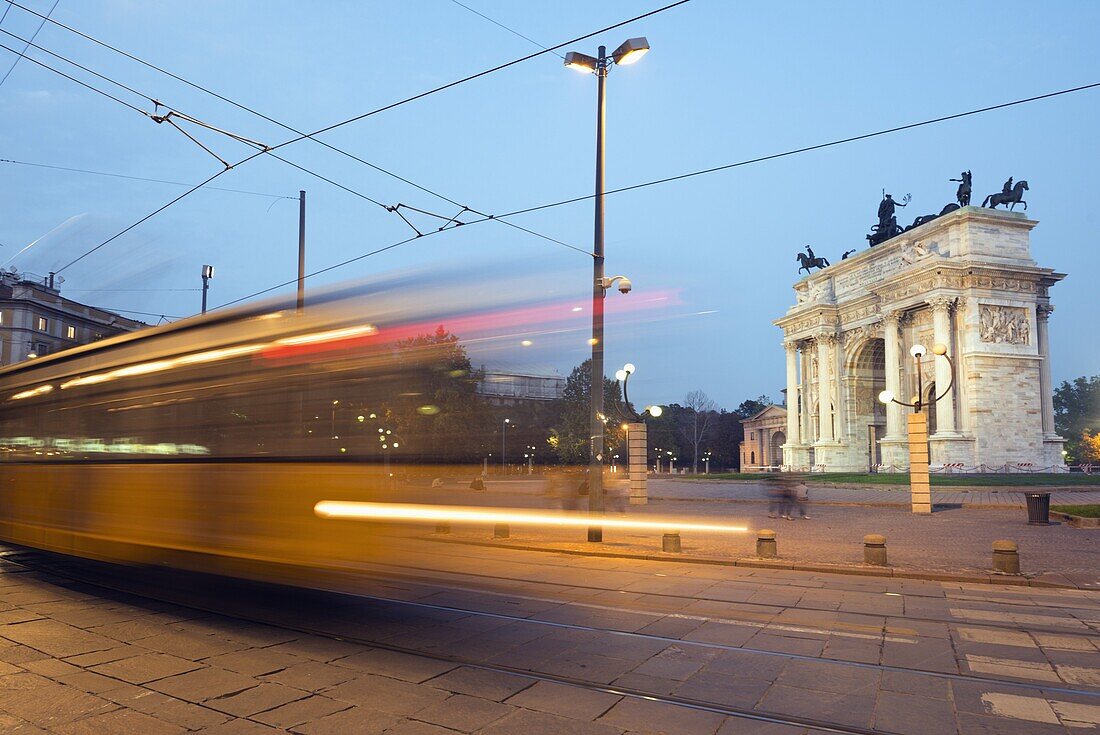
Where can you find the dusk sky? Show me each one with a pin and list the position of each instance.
(724, 82)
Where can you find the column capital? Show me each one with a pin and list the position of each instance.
(1043, 311)
(892, 316)
(942, 303)
(791, 345)
(827, 338)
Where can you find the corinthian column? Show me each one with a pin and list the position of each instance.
(1042, 315)
(824, 414)
(792, 393)
(941, 330)
(892, 321)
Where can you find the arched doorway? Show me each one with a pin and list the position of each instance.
(866, 378)
(775, 447)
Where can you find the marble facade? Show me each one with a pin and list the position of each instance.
(966, 280)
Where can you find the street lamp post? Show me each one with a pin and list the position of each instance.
(207, 274)
(637, 438)
(920, 490)
(630, 51)
(503, 433)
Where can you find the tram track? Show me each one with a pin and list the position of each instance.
(75, 570)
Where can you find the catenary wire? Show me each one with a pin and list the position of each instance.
(141, 178)
(283, 125)
(805, 149)
(513, 31)
(384, 108)
(36, 31)
(714, 169)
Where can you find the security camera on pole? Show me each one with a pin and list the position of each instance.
(630, 51)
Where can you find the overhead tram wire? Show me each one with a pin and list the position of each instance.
(142, 178)
(701, 172)
(497, 23)
(805, 149)
(303, 136)
(335, 148)
(24, 51)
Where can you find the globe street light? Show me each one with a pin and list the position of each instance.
(629, 52)
(919, 487)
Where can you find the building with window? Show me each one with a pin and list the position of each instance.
(765, 435)
(36, 320)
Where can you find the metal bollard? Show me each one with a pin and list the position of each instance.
(670, 542)
(1006, 558)
(500, 530)
(765, 544)
(874, 549)
(443, 528)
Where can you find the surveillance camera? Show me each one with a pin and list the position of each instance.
(625, 285)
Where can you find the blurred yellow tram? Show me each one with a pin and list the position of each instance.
(206, 443)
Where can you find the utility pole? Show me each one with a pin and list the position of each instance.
(301, 250)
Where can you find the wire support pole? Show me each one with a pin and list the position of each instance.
(301, 250)
(596, 409)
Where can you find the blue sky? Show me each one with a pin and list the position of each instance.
(725, 81)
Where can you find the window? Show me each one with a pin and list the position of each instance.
(42, 323)
(71, 332)
(1, 317)
(97, 336)
(752, 435)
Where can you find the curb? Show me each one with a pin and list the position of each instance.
(1047, 580)
(847, 503)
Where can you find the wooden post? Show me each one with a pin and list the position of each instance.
(919, 488)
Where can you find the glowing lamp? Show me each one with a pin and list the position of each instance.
(939, 349)
(629, 368)
(655, 411)
(630, 51)
(886, 396)
(581, 62)
(620, 375)
(917, 351)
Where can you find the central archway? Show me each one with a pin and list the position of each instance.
(866, 378)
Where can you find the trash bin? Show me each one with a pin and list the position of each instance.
(1038, 509)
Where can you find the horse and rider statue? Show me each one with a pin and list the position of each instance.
(1009, 194)
(809, 260)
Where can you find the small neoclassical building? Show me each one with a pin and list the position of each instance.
(966, 280)
(765, 435)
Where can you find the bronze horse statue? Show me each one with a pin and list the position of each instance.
(808, 262)
(1011, 198)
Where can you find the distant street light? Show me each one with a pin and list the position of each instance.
(627, 53)
(207, 274)
(919, 487)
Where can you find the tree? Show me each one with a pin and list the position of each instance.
(1077, 411)
(725, 440)
(699, 414)
(571, 436)
(753, 406)
(1089, 449)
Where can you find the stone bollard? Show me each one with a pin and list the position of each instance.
(765, 544)
(500, 530)
(670, 542)
(1005, 557)
(874, 549)
(443, 528)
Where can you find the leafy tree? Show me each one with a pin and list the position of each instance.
(1077, 411)
(1089, 449)
(725, 440)
(753, 406)
(572, 433)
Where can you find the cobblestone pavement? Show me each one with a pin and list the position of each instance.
(535, 642)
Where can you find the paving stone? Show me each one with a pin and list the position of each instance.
(88, 681)
(86, 660)
(17, 654)
(830, 677)
(494, 685)
(849, 649)
(971, 724)
(353, 721)
(464, 713)
(734, 691)
(145, 668)
(918, 685)
(56, 639)
(189, 645)
(254, 662)
(564, 700)
(50, 667)
(787, 644)
(526, 722)
(741, 726)
(909, 715)
(820, 705)
(669, 666)
(747, 664)
(6, 668)
(387, 695)
(579, 664)
(132, 630)
(414, 727)
(22, 682)
(647, 684)
(312, 676)
(185, 714)
(668, 719)
(203, 684)
(241, 727)
(258, 698)
(53, 705)
(396, 665)
(119, 722)
(301, 711)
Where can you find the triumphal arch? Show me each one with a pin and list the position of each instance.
(965, 279)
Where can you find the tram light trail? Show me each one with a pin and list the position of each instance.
(457, 514)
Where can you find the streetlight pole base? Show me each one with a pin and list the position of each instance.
(595, 534)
